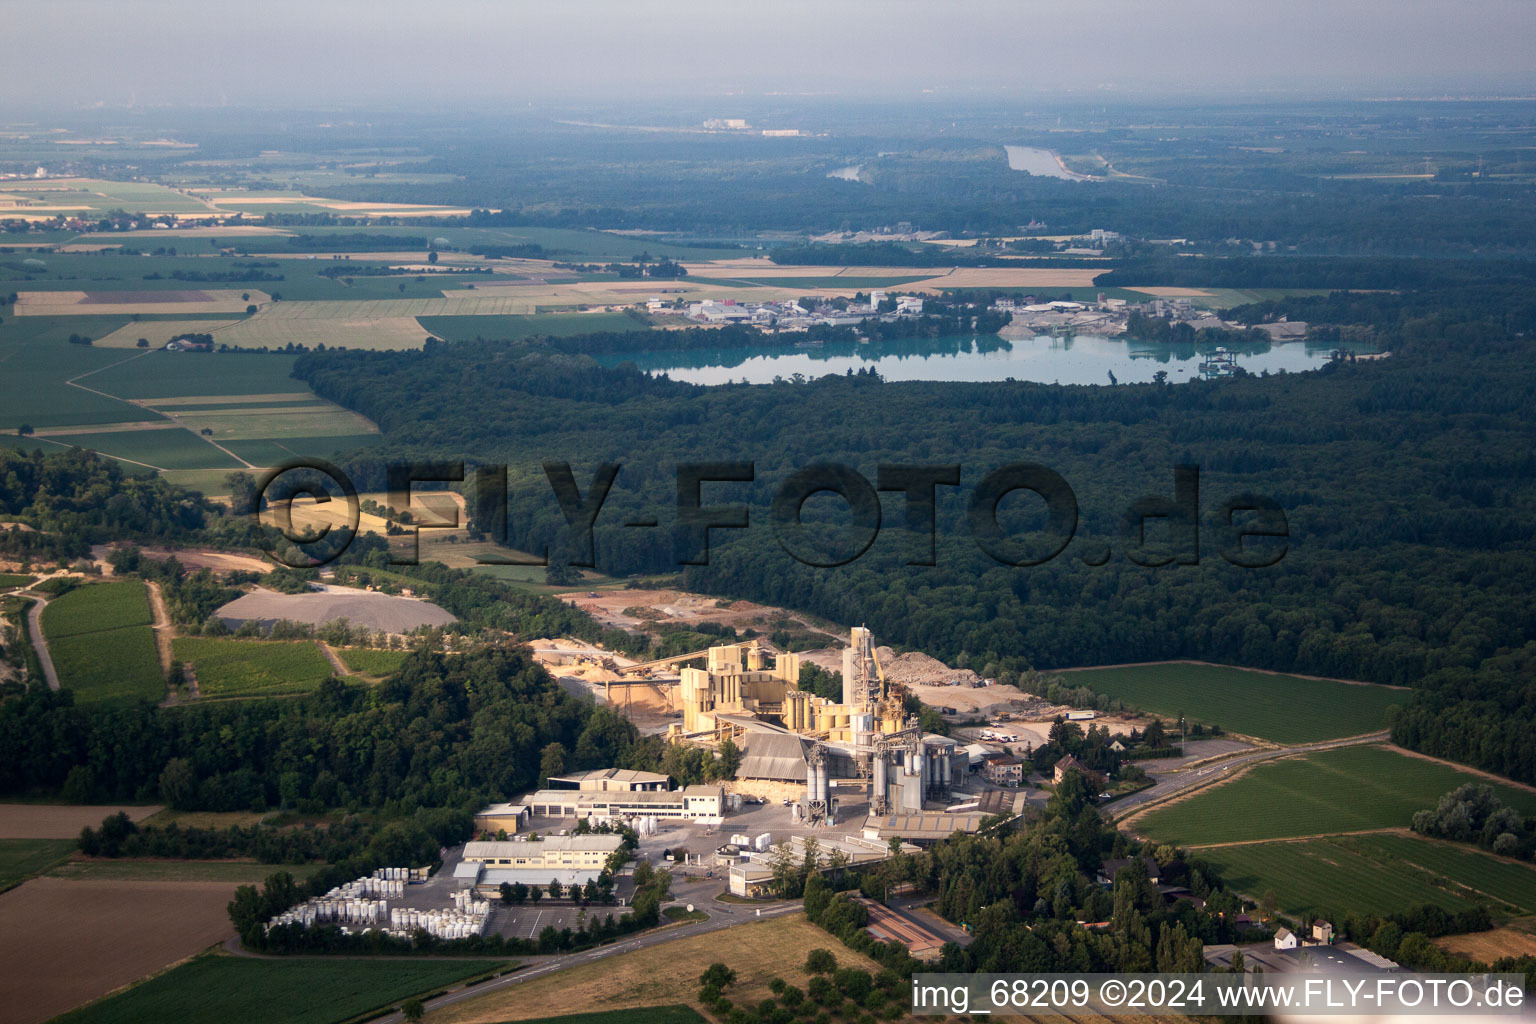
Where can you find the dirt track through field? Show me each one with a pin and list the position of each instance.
(66, 942)
(1297, 839)
(161, 627)
(337, 666)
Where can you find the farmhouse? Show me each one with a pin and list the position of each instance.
(1285, 938)
(1063, 766)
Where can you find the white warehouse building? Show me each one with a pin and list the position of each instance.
(692, 803)
(570, 859)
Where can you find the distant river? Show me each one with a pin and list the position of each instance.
(1084, 359)
(1036, 161)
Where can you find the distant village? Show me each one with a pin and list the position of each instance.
(1028, 318)
(789, 315)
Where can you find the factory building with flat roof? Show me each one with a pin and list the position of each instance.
(692, 803)
(612, 780)
(569, 859)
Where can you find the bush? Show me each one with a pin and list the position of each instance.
(820, 961)
(717, 975)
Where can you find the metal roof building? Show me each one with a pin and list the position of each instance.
(924, 829)
(774, 756)
(607, 780)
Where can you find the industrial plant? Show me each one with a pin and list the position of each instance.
(867, 742)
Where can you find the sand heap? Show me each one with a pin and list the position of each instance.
(917, 668)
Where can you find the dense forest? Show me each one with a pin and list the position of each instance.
(441, 732)
(1405, 485)
(74, 499)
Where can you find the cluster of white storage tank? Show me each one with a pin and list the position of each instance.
(359, 902)
(760, 843)
(467, 919)
(332, 908)
(389, 888)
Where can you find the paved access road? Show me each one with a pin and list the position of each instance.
(35, 628)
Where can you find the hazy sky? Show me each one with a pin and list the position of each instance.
(323, 52)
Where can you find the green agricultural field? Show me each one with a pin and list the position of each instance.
(204, 481)
(573, 244)
(184, 408)
(112, 665)
(1375, 874)
(1348, 789)
(559, 325)
(195, 374)
(36, 359)
(97, 607)
(226, 667)
(271, 452)
(371, 662)
(531, 578)
(14, 579)
(87, 195)
(236, 990)
(172, 448)
(20, 859)
(275, 422)
(1284, 709)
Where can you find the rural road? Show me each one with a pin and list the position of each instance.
(336, 665)
(720, 916)
(39, 642)
(162, 626)
(1179, 781)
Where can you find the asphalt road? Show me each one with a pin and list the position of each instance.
(39, 642)
(35, 629)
